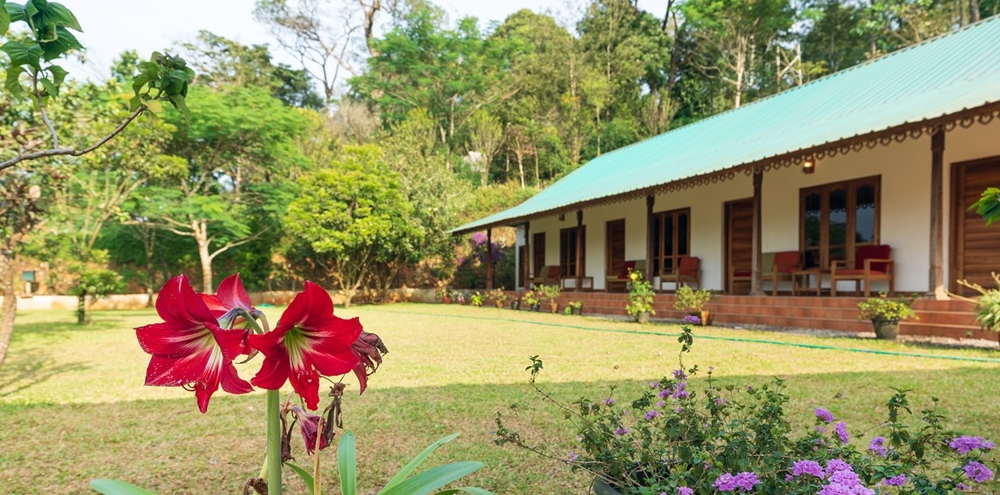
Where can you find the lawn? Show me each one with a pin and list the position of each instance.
(73, 408)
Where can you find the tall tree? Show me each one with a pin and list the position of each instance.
(485, 138)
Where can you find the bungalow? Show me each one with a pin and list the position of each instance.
(791, 194)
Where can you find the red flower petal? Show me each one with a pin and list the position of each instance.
(232, 294)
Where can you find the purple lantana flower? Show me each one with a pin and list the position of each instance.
(621, 430)
(609, 401)
(877, 446)
(573, 457)
(652, 414)
(964, 444)
(824, 415)
(692, 320)
(812, 468)
(683, 490)
(895, 480)
(741, 482)
(977, 472)
(841, 430)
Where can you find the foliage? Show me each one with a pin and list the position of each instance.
(883, 308)
(573, 306)
(530, 298)
(988, 205)
(640, 296)
(471, 270)
(496, 295)
(95, 283)
(549, 292)
(987, 304)
(689, 299)
(476, 299)
(738, 438)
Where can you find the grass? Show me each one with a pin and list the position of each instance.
(73, 408)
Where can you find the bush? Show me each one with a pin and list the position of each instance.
(676, 440)
(883, 308)
(640, 298)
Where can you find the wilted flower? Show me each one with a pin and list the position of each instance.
(369, 350)
(308, 426)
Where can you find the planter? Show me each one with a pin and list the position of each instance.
(600, 487)
(706, 318)
(499, 304)
(536, 307)
(642, 317)
(515, 305)
(886, 329)
(578, 311)
(554, 307)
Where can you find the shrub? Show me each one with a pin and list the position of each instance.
(640, 297)
(692, 300)
(883, 308)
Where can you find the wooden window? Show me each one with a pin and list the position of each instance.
(538, 253)
(671, 238)
(570, 246)
(834, 219)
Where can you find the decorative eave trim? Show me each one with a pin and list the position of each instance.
(914, 130)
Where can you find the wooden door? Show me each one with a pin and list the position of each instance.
(538, 253)
(739, 239)
(975, 247)
(614, 249)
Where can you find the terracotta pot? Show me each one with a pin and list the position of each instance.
(554, 307)
(886, 329)
(642, 317)
(499, 304)
(706, 318)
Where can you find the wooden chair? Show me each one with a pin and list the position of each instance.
(688, 272)
(784, 264)
(871, 263)
(621, 278)
(548, 275)
(745, 273)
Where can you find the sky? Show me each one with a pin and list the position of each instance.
(113, 26)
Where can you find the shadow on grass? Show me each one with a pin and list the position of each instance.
(166, 446)
(30, 367)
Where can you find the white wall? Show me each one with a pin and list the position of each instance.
(905, 170)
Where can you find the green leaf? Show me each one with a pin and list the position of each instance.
(426, 482)
(64, 42)
(466, 489)
(4, 18)
(58, 74)
(62, 16)
(15, 11)
(306, 477)
(178, 102)
(419, 459)
(22, 53)
(50, 88)
(13, 82)
(114, 487)
(347, 465)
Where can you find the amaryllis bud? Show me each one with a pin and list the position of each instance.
(308, 426)
(369, 349)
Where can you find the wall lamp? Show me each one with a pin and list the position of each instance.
(809, 166)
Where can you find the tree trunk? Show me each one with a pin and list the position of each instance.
(9, 307)
(201, 237)
(149, 240)
(520, 167)
(81, 309)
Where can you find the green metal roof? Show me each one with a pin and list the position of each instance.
(938, 77)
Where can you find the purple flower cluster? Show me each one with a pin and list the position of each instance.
(811, 468)
(841, 430)
(977, 472)
(895, 480)
(682, 490)
(824, 415)
(743, 482)
(677, 391)
(842, 480)
(573, 457)
(621, 430)
(609, 401)
(652, 413)
(877, 446)
(692, 320)
(964, 444)
(680, 375)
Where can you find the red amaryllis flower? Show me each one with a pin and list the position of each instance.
(369, 349)
(189, 348)
(229, 304)
(307, 342)
(308, 426)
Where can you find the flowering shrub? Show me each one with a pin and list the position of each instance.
(883, 308)
(672, 439)
(691, 300)
(640, 298)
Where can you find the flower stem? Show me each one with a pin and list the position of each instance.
(273, 443)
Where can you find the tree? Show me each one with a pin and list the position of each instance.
(354, 214)
(485, 138)
(237, 138)
(21, 209)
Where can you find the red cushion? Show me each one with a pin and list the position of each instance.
(742, 273)
(626, 268)
(688, 266)
(882, 252)
(787, 261)
(553, 272)
(858, 272)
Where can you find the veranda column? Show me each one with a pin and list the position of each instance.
(579, 250)
(756, 282)
(936, 275)
(489, 259)
(649, 237)
(527, 255)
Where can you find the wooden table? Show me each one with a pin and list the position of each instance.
(801, 280)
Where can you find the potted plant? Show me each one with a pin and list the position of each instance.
(497, 296)
(640, 297)
(574, 308)
(531, 299)
(550, 293)
(885, 314)
(515, 304)
(694, 301)
(477, 299)
(444, 294)
(987, 305)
